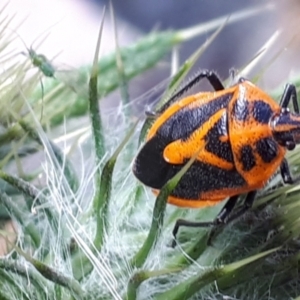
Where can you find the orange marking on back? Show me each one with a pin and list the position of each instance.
(190, 203)
(180, 151)
(196, 100)
(208, 198)
(251, 92)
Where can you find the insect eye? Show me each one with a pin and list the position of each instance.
(290, 145)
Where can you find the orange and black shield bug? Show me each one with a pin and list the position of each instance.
(243, 133)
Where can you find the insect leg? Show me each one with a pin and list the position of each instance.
(246, 206)
(286, 173)
(220, 219)
(228, 218)
(226, 210)
(212, 78)
(288, 94)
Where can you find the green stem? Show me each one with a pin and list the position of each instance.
(158, 215)
(54, 275)
(19, 215)
(31, 191)
(123, 86)
(26, 272)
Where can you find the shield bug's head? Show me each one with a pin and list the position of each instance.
(286, 128)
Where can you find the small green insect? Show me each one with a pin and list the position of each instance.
(38, 60)
(41, 62)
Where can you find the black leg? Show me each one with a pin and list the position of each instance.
(226, 210)
(212, 78)
(248, 202)
(220, 219)
(288, 94)
(286, 173)
(223, 217)
(246, 206)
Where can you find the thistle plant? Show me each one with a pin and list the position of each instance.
(85, 228)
